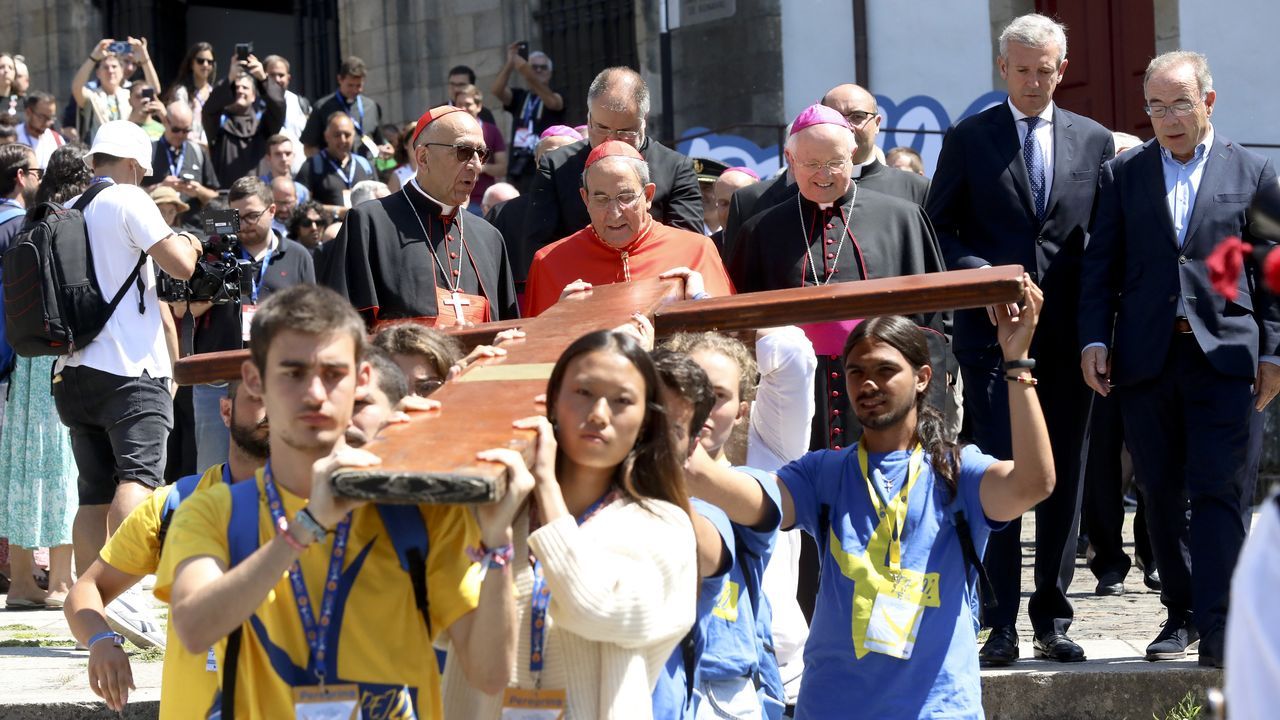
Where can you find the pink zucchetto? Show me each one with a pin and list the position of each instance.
(818, 115)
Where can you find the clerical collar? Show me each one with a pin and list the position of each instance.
(632, 245)
(1046, 115)
(858, 169)
(444, 209)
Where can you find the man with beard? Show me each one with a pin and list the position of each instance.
(98, 604)
(417, 254)
(19, 181)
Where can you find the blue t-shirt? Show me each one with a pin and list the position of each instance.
(733, 642)
(672, 690)
(941, 679)
(11, 220)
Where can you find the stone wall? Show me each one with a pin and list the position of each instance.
(410, 45)
(55, 37)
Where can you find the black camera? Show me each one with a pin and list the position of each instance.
(220, 274)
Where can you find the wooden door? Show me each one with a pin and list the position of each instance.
(1109, 43)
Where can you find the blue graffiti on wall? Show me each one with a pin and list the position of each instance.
(916, 122)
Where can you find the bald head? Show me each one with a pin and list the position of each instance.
(497, 193)
(339, 135)
(177, 126)
(858, 106)
(285, 196)
(729, 182)
(617, 105)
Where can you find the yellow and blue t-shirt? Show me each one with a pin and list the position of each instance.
(381, 640)
(832, 502)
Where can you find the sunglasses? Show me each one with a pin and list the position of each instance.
(312, 222)
(203, 61)
(539, 67)
(464, 152)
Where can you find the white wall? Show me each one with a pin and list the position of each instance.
(1238, 37)
(930, 62)
(817, 50)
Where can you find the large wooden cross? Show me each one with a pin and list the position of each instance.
(432, 458)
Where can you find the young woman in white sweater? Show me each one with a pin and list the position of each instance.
(607, 536)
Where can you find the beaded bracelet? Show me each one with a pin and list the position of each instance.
(1023, 379)
(493, 558)
(283, 526)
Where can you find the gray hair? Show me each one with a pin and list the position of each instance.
(366, 190)
(1198, 62)
(539, 53)
(612, 78)
(1035, 31)
(639, 167)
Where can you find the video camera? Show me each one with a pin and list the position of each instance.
(220, 280)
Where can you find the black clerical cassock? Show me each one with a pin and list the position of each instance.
(382, 259)
(863, 235)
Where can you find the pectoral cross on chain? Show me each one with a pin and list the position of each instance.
(457, 302)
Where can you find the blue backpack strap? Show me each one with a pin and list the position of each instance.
(408, 532)
(180, 491)
(364, 163)
(9, 212)
(242, 539)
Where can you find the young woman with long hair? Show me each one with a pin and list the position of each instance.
(194, 83)
(604, 556)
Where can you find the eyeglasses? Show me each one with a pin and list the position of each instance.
(628, 136)
(626, 200)
(835, 167)
(179, 131)
(41, 116)
(539, 67)
(1179, 109)
(252, 218)
(33, 171)
(464, 152)
(426, 386)
(858, 118)
(203, 61)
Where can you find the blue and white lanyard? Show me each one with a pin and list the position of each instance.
(317, 635)
(349, 179)
(175, 166)
(346, 107)
(542, 597)
(262, 273)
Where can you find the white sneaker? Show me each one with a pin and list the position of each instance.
(130, 616)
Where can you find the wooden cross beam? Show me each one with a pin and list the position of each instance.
(432, 458)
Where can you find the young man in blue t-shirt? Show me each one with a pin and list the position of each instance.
(893, 632)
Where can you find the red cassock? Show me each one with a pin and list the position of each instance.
(584, 256)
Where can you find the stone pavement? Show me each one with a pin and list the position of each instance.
(50, 682)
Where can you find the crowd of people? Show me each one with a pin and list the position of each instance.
(811, 519)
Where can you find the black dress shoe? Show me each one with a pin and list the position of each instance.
(1176, 635)
(1001, 648)
(1058, 647)
(1152, 580)
(1111, 583)
(1212, 650)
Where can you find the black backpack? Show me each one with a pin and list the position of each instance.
(52, 302)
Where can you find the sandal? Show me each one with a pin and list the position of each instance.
(22, 604)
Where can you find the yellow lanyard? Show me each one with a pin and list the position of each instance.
(897, 505)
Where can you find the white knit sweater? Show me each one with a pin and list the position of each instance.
(623, 593)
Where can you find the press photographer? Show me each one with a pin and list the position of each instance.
(114, 393)
(263, 264)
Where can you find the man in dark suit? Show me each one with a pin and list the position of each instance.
(1189, 366)
(617, 105)
(1016, 184)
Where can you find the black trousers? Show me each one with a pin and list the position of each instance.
(1064, 402)
(1104, 494)
(1188, 430)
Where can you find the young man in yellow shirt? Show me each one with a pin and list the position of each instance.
(324, 606)
(134, 552)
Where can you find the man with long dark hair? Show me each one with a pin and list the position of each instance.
(903, 517)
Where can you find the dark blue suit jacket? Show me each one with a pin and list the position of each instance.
(1134, 272)
(982, 208)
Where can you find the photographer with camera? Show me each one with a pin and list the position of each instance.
(242, 112)
(113, 393)
(259, 262)
(108, 98)
(145, 110)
